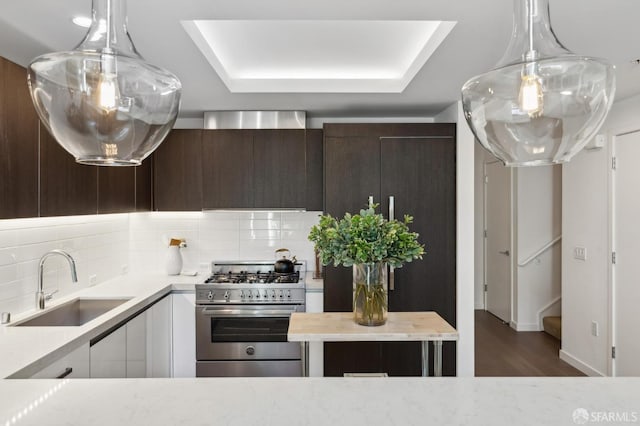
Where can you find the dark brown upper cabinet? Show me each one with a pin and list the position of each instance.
(18, 144)
(314, 160)
(177, 171)
(279, 169)
(116, 189)
(66, 187)
(254, 169)
(227, 162)
(144, 185)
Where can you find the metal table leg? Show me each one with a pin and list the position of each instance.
(305, 358)
(437, 358)
(425, 358)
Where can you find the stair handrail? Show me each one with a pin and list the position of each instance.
(540, 251)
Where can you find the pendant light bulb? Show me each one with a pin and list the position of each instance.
(108, 92)
(519, 111)
(530, 96)
(101, 101)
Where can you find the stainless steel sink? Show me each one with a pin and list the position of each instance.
(73, 313)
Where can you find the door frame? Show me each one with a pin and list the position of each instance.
(611, 338)
(512, 235)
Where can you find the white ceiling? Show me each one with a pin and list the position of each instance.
(604, 28)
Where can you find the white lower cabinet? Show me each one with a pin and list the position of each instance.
(139, 348)
(158, 339)
(137, 337)
(184, 335)
(109, 355)
(74, 365)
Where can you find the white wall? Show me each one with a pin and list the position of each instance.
(465, 158)
(586, 223)
(99, 245)
(219, 235)
(538, 212)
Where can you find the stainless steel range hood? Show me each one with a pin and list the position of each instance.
(255, 119)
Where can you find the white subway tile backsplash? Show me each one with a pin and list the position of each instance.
(103, 239)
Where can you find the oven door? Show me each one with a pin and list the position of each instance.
(241, 332)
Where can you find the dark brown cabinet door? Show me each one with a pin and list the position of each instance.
(351, 175)
(66, 187)
(415, 163)
(177, 177)
(420, 174)
(116, 189)
(18, 144)
(279, 169)
(315, 167)
(144, 185)
(227, 161)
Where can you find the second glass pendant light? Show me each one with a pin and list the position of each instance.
(542, 103)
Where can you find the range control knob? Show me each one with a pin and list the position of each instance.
(249, 295)
(273, 294)
(288, 294)
(241, 294)
(226, 295)
(210, 295)
(281, 294)
(258, 294)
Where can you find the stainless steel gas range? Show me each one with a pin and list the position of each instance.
(242, 320)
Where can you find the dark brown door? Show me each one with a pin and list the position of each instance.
(18, 144)
(66, 187)
(227, 161)
(420, 174)
(116, 189)
(177, 176)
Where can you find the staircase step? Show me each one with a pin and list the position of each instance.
(553, 326)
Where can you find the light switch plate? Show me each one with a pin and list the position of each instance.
(594, 329)
(580, 253)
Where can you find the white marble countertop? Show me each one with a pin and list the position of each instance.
(26, 350)
(322, 401)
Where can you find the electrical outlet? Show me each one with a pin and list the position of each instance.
(580, 253)
(594, 329)
(93, 279)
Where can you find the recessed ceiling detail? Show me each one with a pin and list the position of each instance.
(310, 56)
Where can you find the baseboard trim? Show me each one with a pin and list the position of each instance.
(582, 366)
(525, 326)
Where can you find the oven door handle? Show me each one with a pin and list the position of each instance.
(213, 312)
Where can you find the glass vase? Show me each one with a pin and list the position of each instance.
(370, 297)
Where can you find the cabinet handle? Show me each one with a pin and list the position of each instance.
(392, 273)
(65, 373)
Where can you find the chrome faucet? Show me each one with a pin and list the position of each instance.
(41, 297)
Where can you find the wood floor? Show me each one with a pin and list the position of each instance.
(502, 351)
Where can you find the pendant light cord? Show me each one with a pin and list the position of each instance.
(108, 45)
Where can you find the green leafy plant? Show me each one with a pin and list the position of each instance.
(365, 238)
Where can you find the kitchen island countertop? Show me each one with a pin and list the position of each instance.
(321, 401)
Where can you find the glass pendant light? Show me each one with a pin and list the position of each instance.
(101, 101)
(541, 104)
